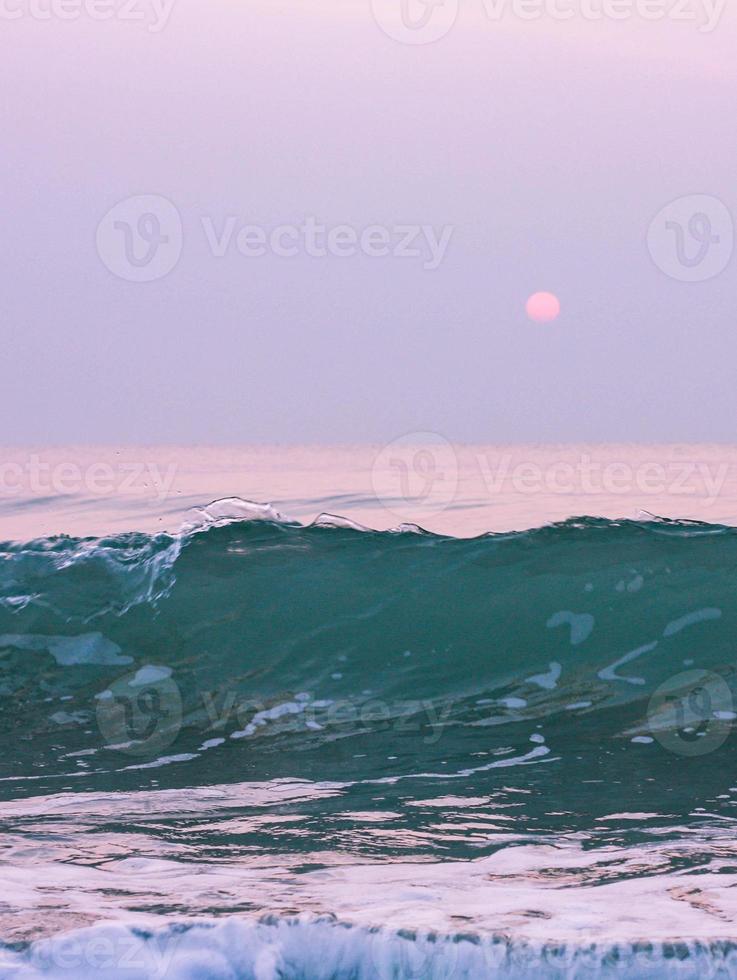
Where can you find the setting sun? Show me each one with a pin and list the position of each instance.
(543, 307)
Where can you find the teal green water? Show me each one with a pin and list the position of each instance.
(524, 735)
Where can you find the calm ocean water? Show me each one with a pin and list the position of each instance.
(450, 489)
(413, 711)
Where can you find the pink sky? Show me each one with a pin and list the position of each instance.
(547, 147)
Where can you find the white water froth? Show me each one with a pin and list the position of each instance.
(610, 673)
(563, 909)
(549, 680)
(581, 624)
(68, 651)
(323, 948)
(229, 509)
(690, 619)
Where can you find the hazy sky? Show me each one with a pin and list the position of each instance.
(516, 154)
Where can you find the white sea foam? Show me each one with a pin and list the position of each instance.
(690, 619)
(227, 510)
(336, 521)
(561, 907)
(68, 651)
(323, 948)
(150, 675)
(262, 718)
(549, 680)
(510, 702)
(610, 673)
(581, 624)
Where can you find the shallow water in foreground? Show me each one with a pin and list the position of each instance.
(258, 749)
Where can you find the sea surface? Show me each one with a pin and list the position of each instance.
(413, 711)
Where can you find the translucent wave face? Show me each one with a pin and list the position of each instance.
(523, 734)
